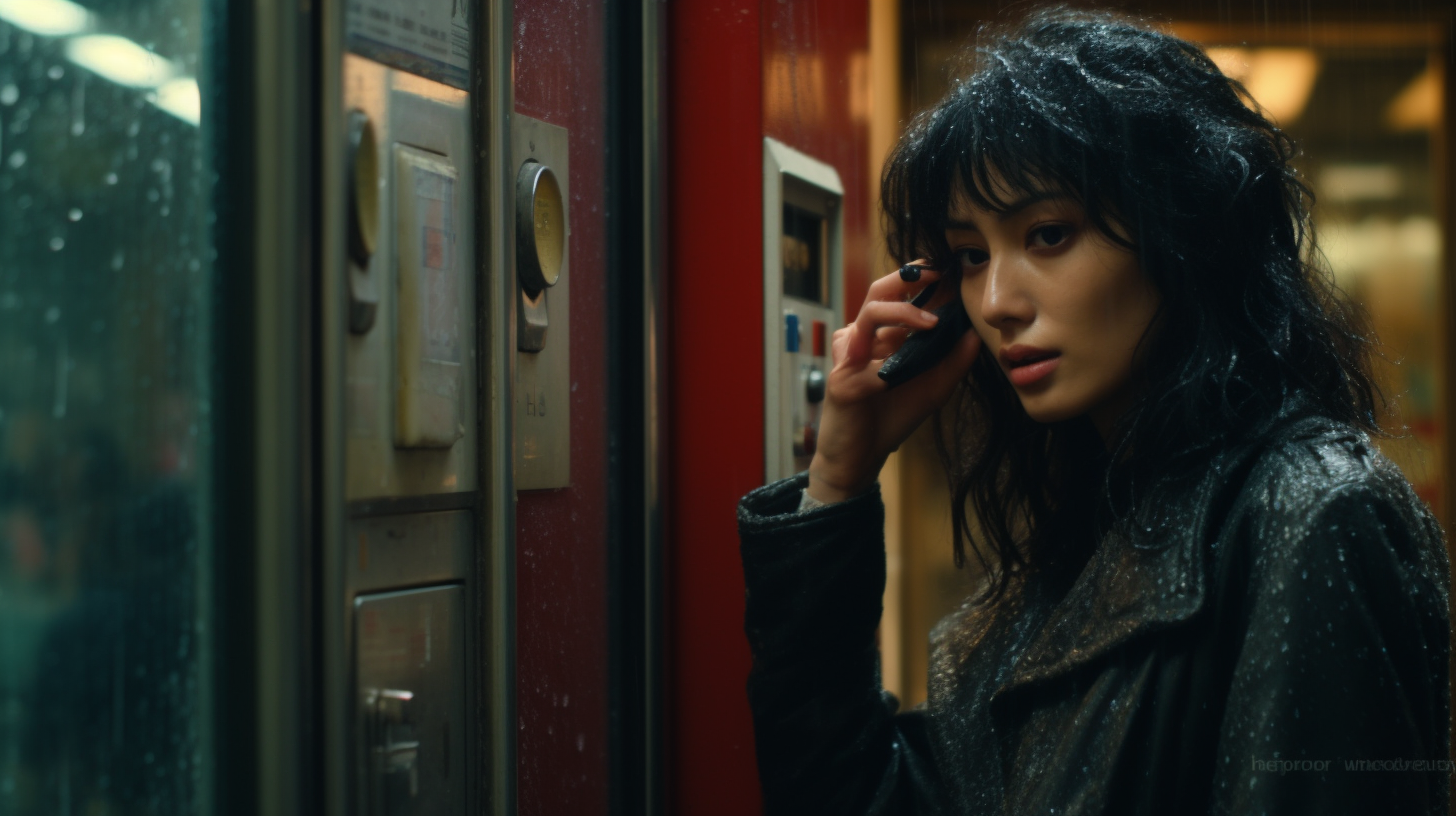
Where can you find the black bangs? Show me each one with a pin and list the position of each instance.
(1031, 118)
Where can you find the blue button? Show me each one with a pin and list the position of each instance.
(791, 333)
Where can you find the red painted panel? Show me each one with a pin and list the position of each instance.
(715, 147)
(561, 577)
(796, 71)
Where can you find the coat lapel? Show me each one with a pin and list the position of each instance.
(1136, 584)
(1126, 589)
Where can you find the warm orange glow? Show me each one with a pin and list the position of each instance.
(795, 87)
(1279, 79)
(859, 86)
(1418, 105)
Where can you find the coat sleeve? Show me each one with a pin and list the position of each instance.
(827, 736)
(1339, 701)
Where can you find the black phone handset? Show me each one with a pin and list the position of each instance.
(923, 349)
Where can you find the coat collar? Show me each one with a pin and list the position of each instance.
(1139, 583)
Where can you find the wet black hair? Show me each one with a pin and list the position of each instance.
(1167, 159)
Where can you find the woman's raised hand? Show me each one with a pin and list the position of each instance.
(863, 420)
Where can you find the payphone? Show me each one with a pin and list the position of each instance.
(410, 427)
(803, 293)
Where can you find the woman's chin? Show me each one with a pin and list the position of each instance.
(1047, 411)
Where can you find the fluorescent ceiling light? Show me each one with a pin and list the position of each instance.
(1279, 79)
(49, 18)
(181, 98)
(119, 60)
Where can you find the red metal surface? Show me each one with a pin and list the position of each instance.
(715, 147)
(816, 100)
(561, 603)
(737, 71)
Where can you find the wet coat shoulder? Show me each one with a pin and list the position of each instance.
(1334, 585)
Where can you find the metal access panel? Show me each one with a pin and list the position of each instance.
(411, 711)
(542, 304)
(410, 352)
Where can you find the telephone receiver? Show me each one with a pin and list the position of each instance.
(923, 349)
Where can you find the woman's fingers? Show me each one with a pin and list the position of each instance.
(875, 315)
(888, 340)
(894, 286)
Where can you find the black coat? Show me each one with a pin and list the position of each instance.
(1245, 662)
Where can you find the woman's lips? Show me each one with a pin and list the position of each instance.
(1024, 375)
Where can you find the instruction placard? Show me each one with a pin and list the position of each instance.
(426, 37)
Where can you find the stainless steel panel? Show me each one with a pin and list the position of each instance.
(389, 552)
(410, 717)
(408, 110)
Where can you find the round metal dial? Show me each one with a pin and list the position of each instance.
(363, 181)
(540, 227)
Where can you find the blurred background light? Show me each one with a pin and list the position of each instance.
(1359, 182)
(49, 18)
(119, 60)
(1279, 79)
(1418, 105)
(181, 98)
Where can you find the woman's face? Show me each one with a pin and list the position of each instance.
(1059, 305)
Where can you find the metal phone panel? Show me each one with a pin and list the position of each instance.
(803, 225)
(387, 452)
(410, 698)
(542, 401)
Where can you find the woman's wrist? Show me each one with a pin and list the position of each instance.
(829, 487)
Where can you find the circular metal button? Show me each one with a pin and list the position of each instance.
(814, 386)
(540, 227)
(363, 181)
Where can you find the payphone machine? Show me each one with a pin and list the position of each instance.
(409, 410)
(803, 299)
(409, 415)
(414, 593)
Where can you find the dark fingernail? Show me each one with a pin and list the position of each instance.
(909, 273)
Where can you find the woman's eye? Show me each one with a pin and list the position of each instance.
(972, 257)
(1050, 235)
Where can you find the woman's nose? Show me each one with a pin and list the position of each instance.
(1004, 300)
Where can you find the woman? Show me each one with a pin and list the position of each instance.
(1208, 592)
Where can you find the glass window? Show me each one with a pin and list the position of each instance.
(105, 325)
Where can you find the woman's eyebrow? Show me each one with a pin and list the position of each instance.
(1008, 213)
